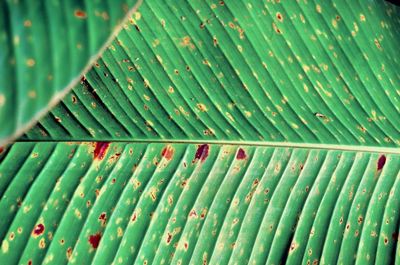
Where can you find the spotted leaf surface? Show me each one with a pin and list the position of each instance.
(207, 132)
(309, 72)
(136, 203)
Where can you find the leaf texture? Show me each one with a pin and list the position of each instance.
(180, 204)
(45, 46)
(208, 132)
(311, 72)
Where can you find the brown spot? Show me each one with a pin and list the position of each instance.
(29, 262)
(80, 14)
(169, 238)
(1, 149)
(100, 150)
(381, 162)
(202, 152)
(134, 217)
(395, 236)
(279, 16)
(168, 152)
(386, 240)
(69, 253)
(241, 154)
(38, 230)
(360, 219)
(94, 240)
(193, 213)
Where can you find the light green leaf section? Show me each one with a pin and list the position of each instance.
(208, 132)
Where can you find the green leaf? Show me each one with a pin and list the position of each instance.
(45, 47)
(217, 132)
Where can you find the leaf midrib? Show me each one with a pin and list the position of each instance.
(338, 147)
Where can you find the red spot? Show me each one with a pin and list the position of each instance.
(1, 149)
(80, 14)
(103, 218)
(381, 162)
(202, 152)
(38, 230)
(241, 154)
(94, 240)
(168, 152)
(100, 150)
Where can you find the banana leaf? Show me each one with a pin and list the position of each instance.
(200, 132)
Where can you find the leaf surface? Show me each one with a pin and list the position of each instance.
(218, 132)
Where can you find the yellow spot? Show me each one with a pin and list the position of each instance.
(2, 100)
(42, 243)
(27, 23)
(30, 62)
(146, 97)
(138, 16)
(302, 18)
(202, 107)
(362, 17)
(240, 48)
(120, 232)
(230, 116)
(78, 214)
(27, 208)
(247, 113)
(4, 246)
(156, 42)
(171, 90)
(334, 23)
(187, 42)
(318, 8)
(295, 126)
(16, 40)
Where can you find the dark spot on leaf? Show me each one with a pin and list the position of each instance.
(202, 152)
(169, 237)
(241, 154)
(80, 13)
(94, 240)
(168, 152)
(38, 230)
(381, 162)
(100, 150)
